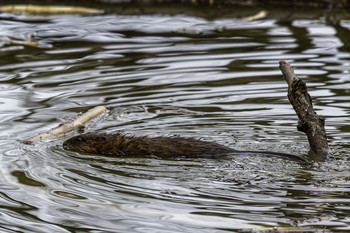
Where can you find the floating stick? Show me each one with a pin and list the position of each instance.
(49, 9)
(67, 127)
(260, 15)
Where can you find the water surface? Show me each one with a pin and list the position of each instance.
(171, 75)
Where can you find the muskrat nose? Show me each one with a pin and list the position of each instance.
(66, 145)
(69, 142)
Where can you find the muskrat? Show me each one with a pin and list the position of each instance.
(162, 147)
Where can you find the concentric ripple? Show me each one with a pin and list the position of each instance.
(171, 75)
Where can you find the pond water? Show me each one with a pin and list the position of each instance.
(171, 75)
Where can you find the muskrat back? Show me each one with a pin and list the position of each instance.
(163, 147)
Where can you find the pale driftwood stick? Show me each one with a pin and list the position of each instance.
(67, 127)
(309, 121)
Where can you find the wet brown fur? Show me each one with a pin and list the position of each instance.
(162, 147)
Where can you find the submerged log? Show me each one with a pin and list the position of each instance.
(67, 127)
(309, 122)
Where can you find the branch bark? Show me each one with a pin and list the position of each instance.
(67, 127)
(309, 122)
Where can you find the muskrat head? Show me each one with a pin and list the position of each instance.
(88, 143)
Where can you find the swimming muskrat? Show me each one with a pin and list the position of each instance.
(163, 147)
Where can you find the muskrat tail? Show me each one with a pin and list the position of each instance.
(278, 155)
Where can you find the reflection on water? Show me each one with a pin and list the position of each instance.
(217, 80)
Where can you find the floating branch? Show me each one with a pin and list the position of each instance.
(7, 40)
(67, 127)
(37, 9)
(260, 15)
(309, 121)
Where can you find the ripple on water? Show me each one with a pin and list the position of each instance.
(159, 79)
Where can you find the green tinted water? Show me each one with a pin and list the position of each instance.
(161, 74)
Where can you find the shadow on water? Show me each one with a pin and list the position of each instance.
(201, 75)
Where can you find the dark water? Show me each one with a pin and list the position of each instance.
(168, 75)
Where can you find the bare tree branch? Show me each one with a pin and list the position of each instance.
(309, 121)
